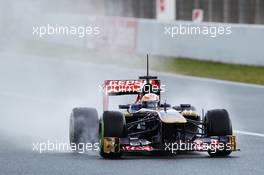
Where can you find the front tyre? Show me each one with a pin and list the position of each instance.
(112, 124)
(218, 123)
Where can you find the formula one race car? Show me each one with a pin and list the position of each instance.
(148, 125)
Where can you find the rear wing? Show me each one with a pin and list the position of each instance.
(145, 84)
(128, 87)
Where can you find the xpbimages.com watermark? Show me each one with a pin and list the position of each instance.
(78, 31)
(214, 146)
(49, 146)
(187, 29)
(131, 86)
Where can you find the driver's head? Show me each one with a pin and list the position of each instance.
(150, 100)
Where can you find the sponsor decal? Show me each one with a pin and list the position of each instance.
(137, 148)
(212, 145)
(117, 86)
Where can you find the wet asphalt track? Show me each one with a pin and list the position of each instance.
(37, 94)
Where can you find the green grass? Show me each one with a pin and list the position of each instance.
(216, 70)
(185, 66)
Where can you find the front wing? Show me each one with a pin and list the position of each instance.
(213, 143)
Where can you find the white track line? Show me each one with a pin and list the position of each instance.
(163, 73)
(249, 133)
(204, 79)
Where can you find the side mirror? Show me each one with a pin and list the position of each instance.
(185, 105)
(165, 105)
(124, 106)
(177, 108)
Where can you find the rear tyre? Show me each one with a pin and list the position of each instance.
(112, 124)
(83, 126)
(218, 123)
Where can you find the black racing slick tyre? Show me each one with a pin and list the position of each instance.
(112, 124)
(218, 123)
(83, 126)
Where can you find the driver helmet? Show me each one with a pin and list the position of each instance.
(150, 100)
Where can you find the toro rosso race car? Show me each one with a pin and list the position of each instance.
(149, 126)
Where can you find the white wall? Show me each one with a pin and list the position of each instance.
(244, 45)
